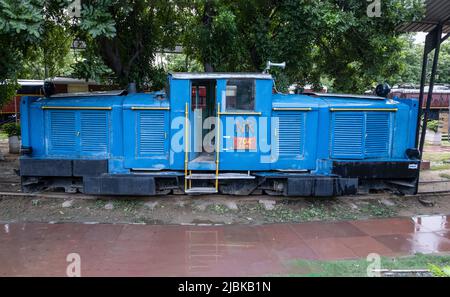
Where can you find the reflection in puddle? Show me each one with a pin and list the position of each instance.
(427, 237)
(229, 250)
(431, 223)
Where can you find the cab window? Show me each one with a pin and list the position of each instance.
(240, 95)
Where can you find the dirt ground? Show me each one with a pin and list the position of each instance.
(214, 209)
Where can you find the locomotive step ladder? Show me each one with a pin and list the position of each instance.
(212, 176)
(228, 175)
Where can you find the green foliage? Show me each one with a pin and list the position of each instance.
(50, 56)
(30, 30)
(359, 267)
(98, 20)
(433, 125)
(7, 90)
(332, 38)
(443, 72)
(127, 35)
(329, 41)
(411, 60)
(90, 65)
(20, 26)
(358, 51)
(182, 63)
(11, 129)
(438, 271)
(21, 17)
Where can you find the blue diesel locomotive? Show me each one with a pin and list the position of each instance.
(226, 133)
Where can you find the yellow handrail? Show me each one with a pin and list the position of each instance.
(364, 109)
(292, 108)
(78, 107)
(217, 146)
(150, 108)
(186, 145)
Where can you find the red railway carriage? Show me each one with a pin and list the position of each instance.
(440, 100)
(32, 87)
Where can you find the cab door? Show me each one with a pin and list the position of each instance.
(244, 106)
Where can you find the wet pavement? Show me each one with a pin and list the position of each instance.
(36, 249)
(437, 148)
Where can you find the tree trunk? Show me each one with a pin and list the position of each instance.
(208, 67)
(207, 20)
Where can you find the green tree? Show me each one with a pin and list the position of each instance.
(51, 56)
(331, 38)
(411, 61)
(356, 50)
(127, 35)
(20, 28)
(443, 73)
(182, 63)
(31, 30)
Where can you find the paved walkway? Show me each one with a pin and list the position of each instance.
(233, 250)
(437, 148)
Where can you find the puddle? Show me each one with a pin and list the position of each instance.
(186, 250)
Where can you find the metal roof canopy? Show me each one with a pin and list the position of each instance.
(436, 22)
(437, 12)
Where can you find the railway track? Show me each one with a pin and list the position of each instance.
(57, 195)
(444, 186)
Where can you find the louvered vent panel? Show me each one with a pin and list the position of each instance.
(291, 133)
(151, 129)
(62, 131)
(94, 131)
(377, 134)
(347, 135)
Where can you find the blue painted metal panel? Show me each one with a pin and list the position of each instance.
(77, 133)
(179, 95)
(378, 134)
(25, 119)
(147, 144)
(94, 133)
(411, 122)
(361, 135)
(291, 134)
(347, 135)
(62, 132)
(258, 158)
(295, 139)
(151, 133)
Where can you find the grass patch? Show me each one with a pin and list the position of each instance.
(3, 135)
(218, 209)
(358, 267)
(376, 209)
(440, 167)
(130, 206)
(324, 210)
(444, 175)
(436, 156)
